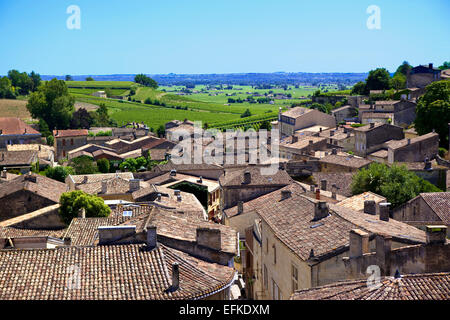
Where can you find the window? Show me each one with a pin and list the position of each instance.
(266, 278)
(275, 291)
(71, 142)
(274, 254)
(64, 142)
(294, 278)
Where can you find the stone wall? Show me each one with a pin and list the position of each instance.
(21, 202)
(415, 152)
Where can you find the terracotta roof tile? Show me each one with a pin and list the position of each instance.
(439, 202)
(10, 125)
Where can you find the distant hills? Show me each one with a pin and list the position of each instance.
(276, 78)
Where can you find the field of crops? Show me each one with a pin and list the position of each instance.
(101, 84)
(14, 108)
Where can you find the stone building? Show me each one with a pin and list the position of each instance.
(415, 149)
(425, 209)
(15, 131)
(344, 113)
(371, 137)
(421, 76)
(23, 161)
(67, 140)
(28, 193)
(300, 118)
(343, 163)
(397, 112)
(302, 243)
(300, 146)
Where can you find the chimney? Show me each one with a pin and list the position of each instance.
(179, 197)
(334, 151)
(240, 207)
(294, 139)
(134, 185)
(104, 186)
(210, 238)
(82, 213)
(321, 210)
(4, 173)
(372, 125)
(370, 207)
(320, 129)
(111, 234)
(176, 192)
(310, 142)
(173, 172)
(409, 141)
(318, 194)
(359, 243)
(158, 197)
(436, 234)
(312, 188)
(331, 133)
(333, 191)
(175, 276)
(427, 164)
(430, 66)
(247, 177)
(285, 194)
(323, 184)
(3, 157)
(151, 237)
(384, 211)
(383, 245)
(200, 179)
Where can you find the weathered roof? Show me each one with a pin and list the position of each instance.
(15, 126)
(17, 158)
(431, 286)
(396, 144)
(40, 185)
(439, 202)
(235, 177)
(15, 232)
(296, 112)
(113, 272)
(292, 223)
(90, 178)
(342, 180)
(357, 202)
(43, 150)
(70, 133)
(348, 160)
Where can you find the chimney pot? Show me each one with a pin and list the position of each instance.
(158, 197)
(240, 207)
(317, 193)
(430, 66)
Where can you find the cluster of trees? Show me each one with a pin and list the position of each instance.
(145, 81)
(18, 83)
(433, 111)
(246, 113)
(72, 202)
(395, 183)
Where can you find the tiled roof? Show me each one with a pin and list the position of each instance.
(235, 177)
(431, 286)
(116, 185)
(14, 232)
(342, 180)
(382, 153)
(90, 178)
(302, 142)
(368, 128)
(296, 112)
(44, 151)
(439, 202)
(10, 125)
(11, 158)
(292, 223)
(70, 133)
(44, 187)
(395, 144)
(357, 202)
(348, 161)
(114, 272)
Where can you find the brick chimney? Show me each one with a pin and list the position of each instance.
(334, 191)
(384, 211)
(430, 66)
(383, 250)
(104, 186)
(436, 234)
(285, 194)
(4, 173)
(247, 177)
(321, 210)
(370, 207)
(359, 243)
(175, 276)
(151, 237)
(317, 193)
(210, 238)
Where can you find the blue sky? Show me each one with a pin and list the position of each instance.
(216, 36)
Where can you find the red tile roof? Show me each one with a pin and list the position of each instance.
(10, 125)
(70, 133)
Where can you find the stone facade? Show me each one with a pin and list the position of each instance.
(22, 202)
(414, 150)
(371, 137)
(421, 76)
(65, 142)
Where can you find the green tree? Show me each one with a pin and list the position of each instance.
(90, 79)
(103, 165)
(43, 128)
(72, 202)
(398, 81)
(246, 113)
(52, 103)
(81, 119)
(50, 140)
(395, 183)
(403, 68)
(359, 88)
(35, 79)
(445, 65)
(6, 89)
(84, 165)
(146, 81)
(59, 173)
(161, 131)
(433, 111)
(68, 77)
(378, 79)
(130, 165)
